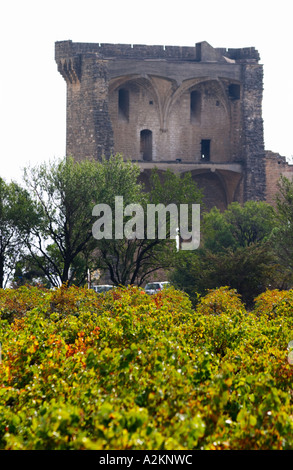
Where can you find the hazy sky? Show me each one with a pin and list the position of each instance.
(33, 93)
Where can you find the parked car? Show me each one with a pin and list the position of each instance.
(102, 288)
(154, 287)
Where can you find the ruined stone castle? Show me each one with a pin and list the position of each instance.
(188, 109)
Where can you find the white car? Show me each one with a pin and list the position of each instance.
(154, 287)
(102, 288)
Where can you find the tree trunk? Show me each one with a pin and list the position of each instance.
(1, 271)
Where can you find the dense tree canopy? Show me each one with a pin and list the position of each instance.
(64, 191)
(62, 243)
(47, 230)
(69, 239)
(236, 251)
(283, 231)
(132, 260)
(17, 217)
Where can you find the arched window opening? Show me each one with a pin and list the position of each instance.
(146, 144)
(195, 106)
(123, 104)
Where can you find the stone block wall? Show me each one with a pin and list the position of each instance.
(276, 165)
(168, 103)
(253, 142)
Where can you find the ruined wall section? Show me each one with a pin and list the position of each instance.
(89, 130)
(130, 51)
(253, 142)
(142, 113)
(160, 95)
(141, 51)
(159, 81)
(212, 122)
(276, 165)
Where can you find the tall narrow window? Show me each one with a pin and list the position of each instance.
(234, 91)
(123, 104)
(146, 144)
(195, 106)
(205, 149)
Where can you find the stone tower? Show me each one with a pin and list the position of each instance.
(195, 109)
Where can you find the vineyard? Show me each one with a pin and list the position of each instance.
(125, 370)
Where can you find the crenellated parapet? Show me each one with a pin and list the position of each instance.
(201, 52)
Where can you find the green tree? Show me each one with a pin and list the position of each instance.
(134, 260)
(62, 244)
(236, 251)
(65, 191)
(282, 236)
(28, 272)
(238, 226)
(17, 216)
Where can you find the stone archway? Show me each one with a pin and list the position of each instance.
(213, 190)
(220, 188)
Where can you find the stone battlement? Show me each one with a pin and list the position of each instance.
(200, 52)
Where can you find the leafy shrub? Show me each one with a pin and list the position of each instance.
(222, 300)
(14, 303)
(274, 303)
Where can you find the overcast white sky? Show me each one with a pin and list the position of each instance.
(33, 93)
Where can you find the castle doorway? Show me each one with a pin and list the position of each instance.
(146, 144)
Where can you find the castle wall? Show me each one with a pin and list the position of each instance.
(166, 104)
(276, 165)
(176, 134)
(89, 131)
(253, 142)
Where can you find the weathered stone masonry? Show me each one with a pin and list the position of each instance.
(195, 109)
